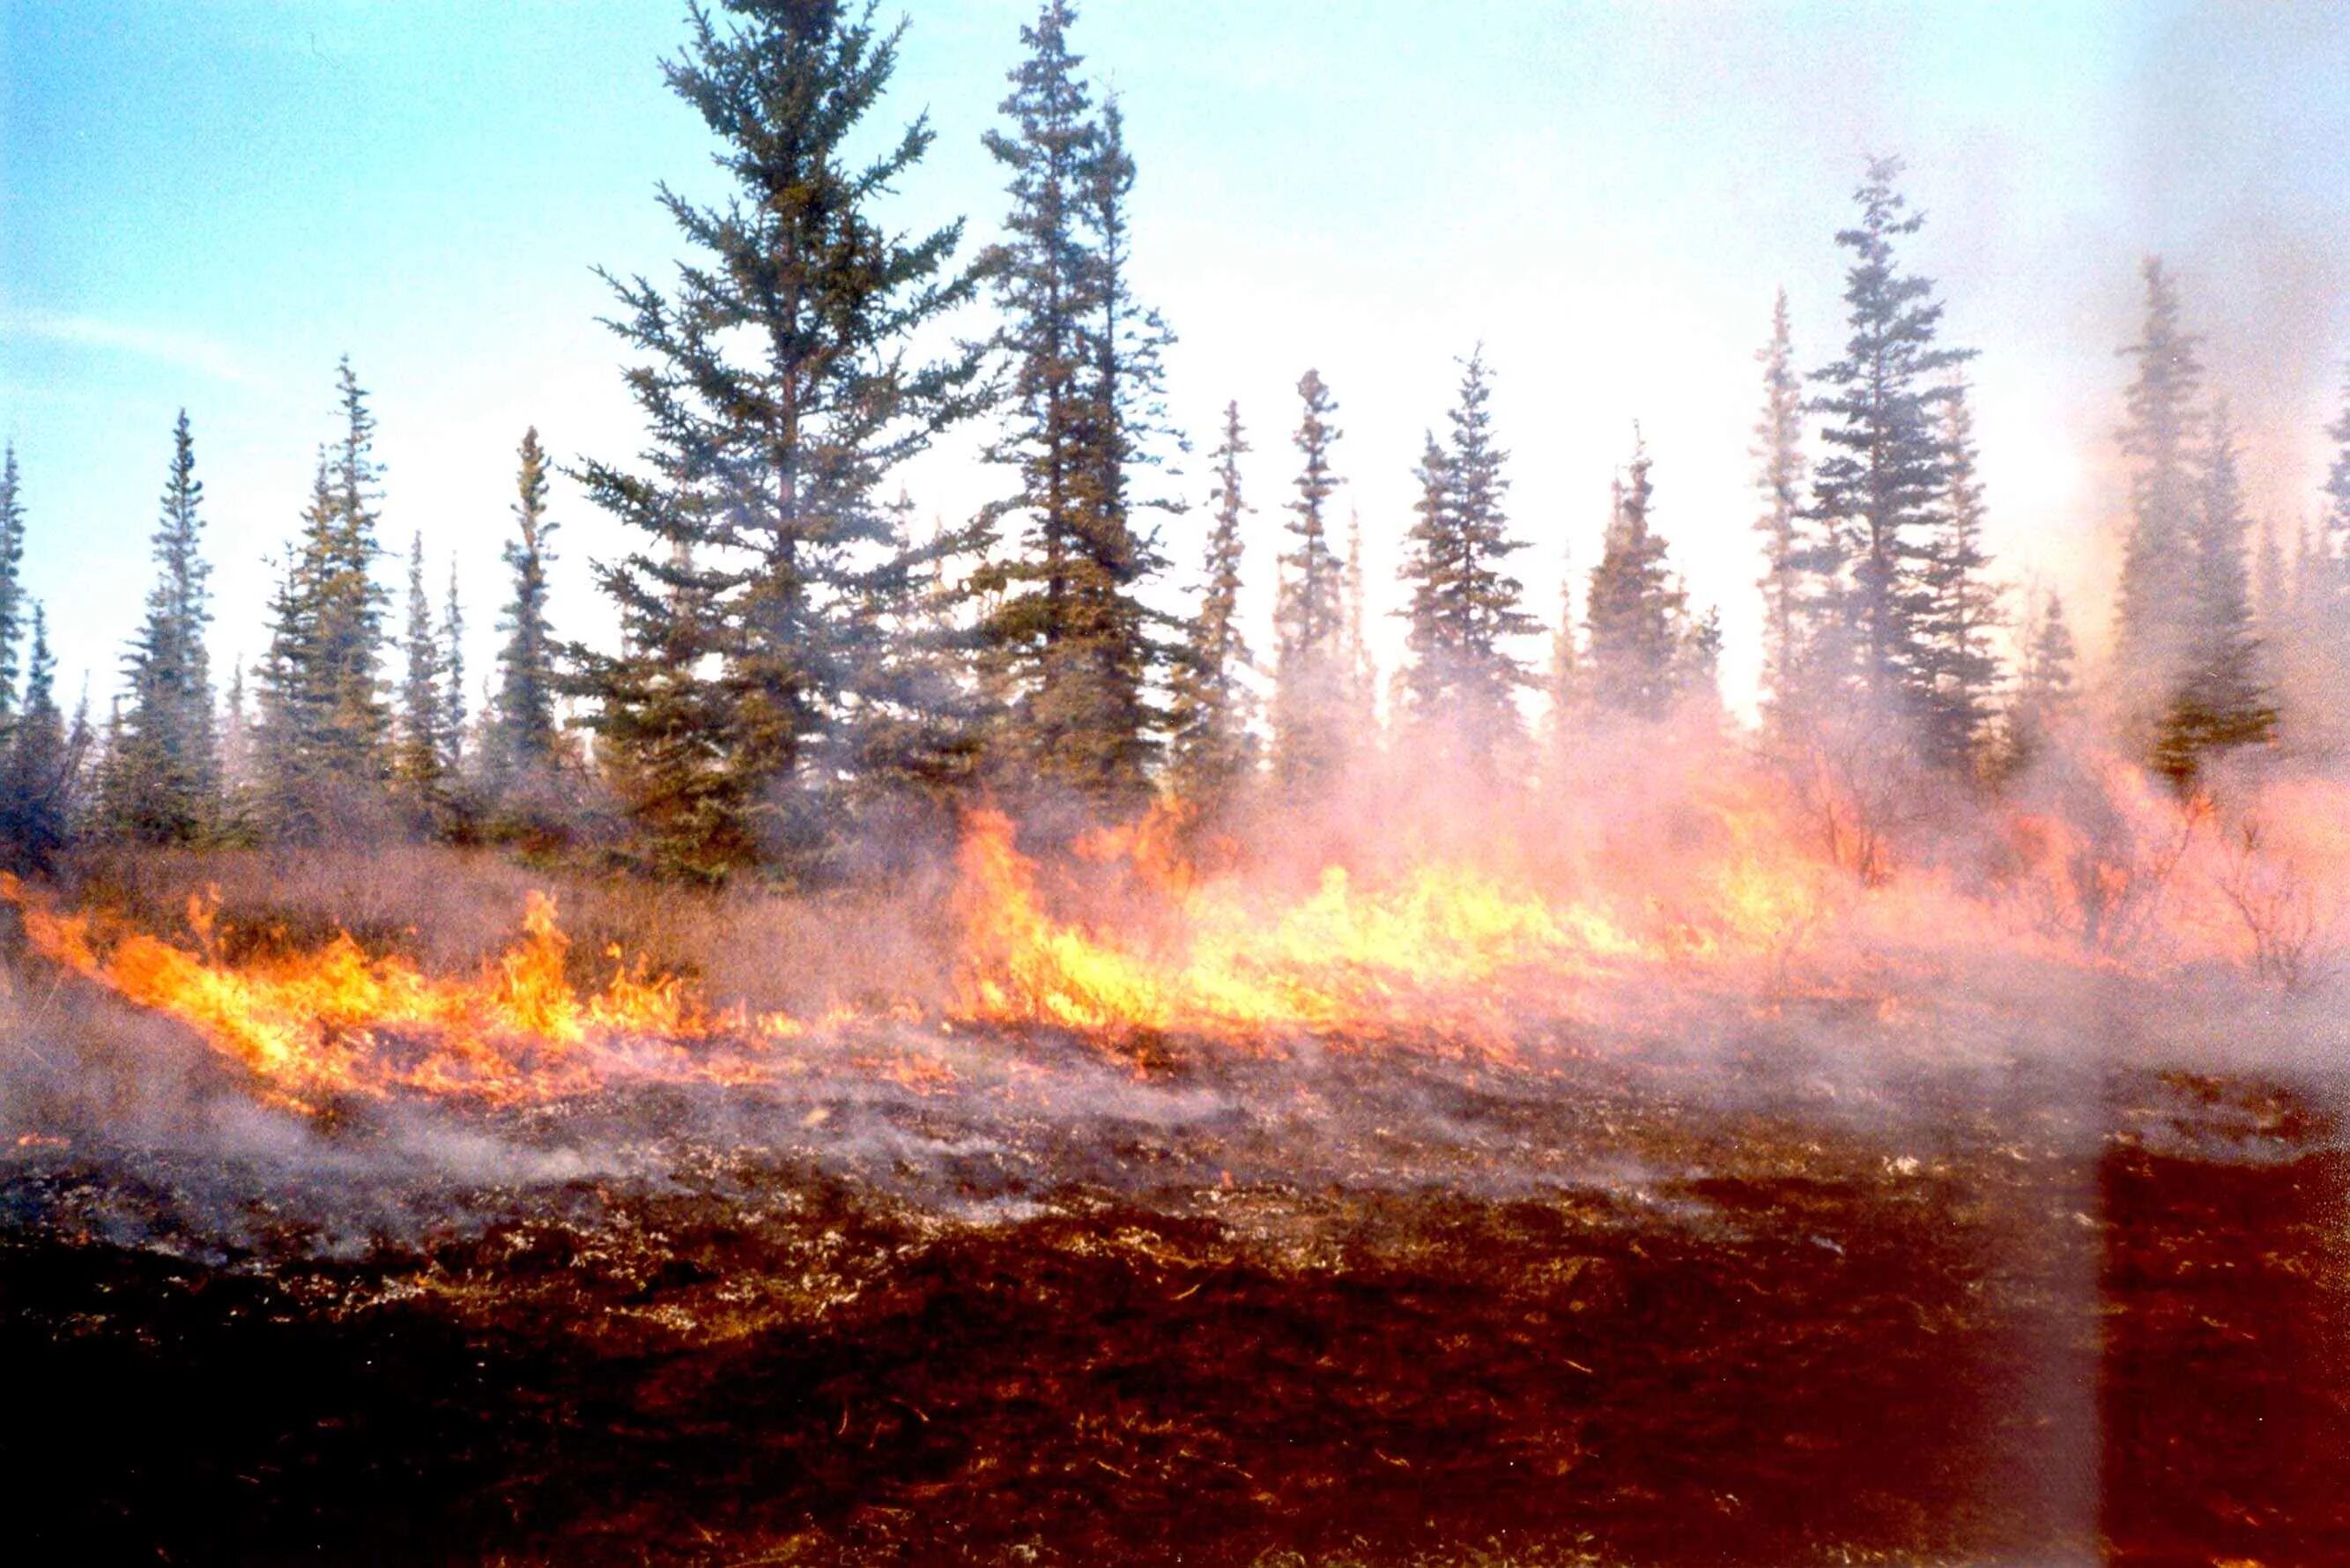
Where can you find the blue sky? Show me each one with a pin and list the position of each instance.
(206, 202)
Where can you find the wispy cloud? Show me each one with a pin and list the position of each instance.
(186, 351)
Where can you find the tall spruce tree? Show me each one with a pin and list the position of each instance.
(1309, 740)
(2046, 691)
(1213, 749)
(12, 591)
(454, 707)
(2156, 615)
(522, 741)
(326, 730)
(1362, 671)
(1562, 684)
(1636, 609)
(40, 762)
(1880, 489)
(2218, 702)
(421, 748)
(779, 396)
(1779, 475)
(1958, 664)
(1465, 613)
(1075, 640)
(915, 727)
(160, 783)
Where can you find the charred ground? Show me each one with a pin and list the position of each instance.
(1649, 1305)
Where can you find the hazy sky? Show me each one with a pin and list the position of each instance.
(204, 202)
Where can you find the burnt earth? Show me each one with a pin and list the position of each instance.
(1636, 1309)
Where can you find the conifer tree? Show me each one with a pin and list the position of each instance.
(453, 704)
(1779, 475)
(1879, 489)
(1213, 750)
(779, 396)
(1309, 611)
(325, 732)
(1957, 666)
(2046, 688)
(2332, 547)
(1562, 684)
(160, 783)
(420, 753)
(522, 746)
(1075, 639)
(40, 763)
(2157, 609)
(1636, 609)
(2218, 702)
(12, 592)
(915, 724)
(1363, 675)
(1465, 612)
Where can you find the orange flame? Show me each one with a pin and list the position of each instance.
(1723, 891)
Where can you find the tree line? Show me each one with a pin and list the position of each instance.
(802, 674)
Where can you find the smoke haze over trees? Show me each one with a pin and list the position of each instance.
(798, 663)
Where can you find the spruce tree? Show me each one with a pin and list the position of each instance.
(1562, 683)
(1880, 489)
(1213, 750)
(325, 738)
(420, 753)
(2332, 547)
(39, 764)
(915, 725)
(1779, 475)
(12, 592)
(1636, 609)
(1362, 673)
(1465, 614)
(160, 783)
(1074, 641)
(2155, 618)
(454, 709)
(1958, 665)
(776, 387)
(521, 742)
(2219, 702)
(2046, 691)
(1309, 611)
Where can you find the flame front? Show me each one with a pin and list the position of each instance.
(1731, 896)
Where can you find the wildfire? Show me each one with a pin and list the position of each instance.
(1441, 953)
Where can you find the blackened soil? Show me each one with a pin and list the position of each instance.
(2034, 1318)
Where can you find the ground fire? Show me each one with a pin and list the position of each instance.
(1533, 899)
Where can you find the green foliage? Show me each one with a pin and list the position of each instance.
(1465, 615)
(1074, 645)
(1214, 751)
(1880, 492)
(12, 591)
(1959, 668)
(1790, 595)
(421, 773)
(522, 749)
(1311, 677)
(325, 732)
(778, 395)
(40, 763)
(1637, 610)
(161, 780)
(2219, 701)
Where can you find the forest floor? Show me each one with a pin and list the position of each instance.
(1650, 1304)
